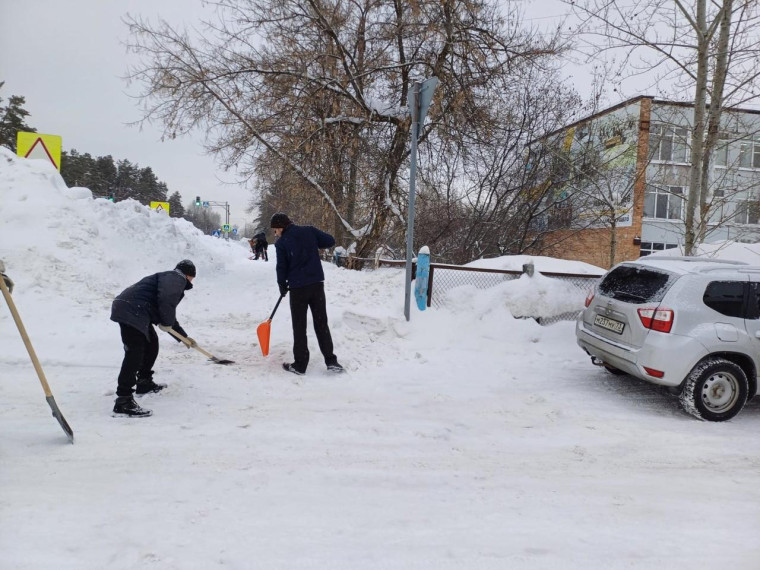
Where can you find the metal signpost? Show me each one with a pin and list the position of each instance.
(419, 101)
(225, 205)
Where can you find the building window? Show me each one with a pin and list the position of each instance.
(749, 153)
(717, 206)
(747, 212)
(669, 144)
(664, 202)
(721, 149)
(648, 247)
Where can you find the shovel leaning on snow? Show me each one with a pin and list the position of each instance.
(208, 355)
(263, 330)
(35, 361)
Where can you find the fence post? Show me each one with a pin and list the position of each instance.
(529, 269)
(430, 285)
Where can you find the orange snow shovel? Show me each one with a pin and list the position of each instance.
(263, 330)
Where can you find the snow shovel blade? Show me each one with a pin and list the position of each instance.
(61, 420)
(262, 331)
(216, 360)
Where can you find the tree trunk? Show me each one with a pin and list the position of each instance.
(715, 112)
(698, 130)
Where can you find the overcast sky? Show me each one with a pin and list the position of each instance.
(67, 57)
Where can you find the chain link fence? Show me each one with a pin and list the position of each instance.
(443, 278)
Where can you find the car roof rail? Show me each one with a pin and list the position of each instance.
(693, 259)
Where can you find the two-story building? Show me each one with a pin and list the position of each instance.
(624, 177)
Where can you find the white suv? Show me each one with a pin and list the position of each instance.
(689, 323)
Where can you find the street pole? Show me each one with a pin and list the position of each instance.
(226, 206)
(415, 98)
(419, 100)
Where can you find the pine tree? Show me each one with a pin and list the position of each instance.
(176, 209)
(104, 179)
(12, 120)
(126, 180)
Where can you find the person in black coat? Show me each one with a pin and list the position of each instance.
(261, 246)
(299, 270)
(151, 301)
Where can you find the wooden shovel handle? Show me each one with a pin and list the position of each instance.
(196, 347)
(25, 338)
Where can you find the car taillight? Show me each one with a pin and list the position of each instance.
(657, 319)
(654, 373)
(589, 297)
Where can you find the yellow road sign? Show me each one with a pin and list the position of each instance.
(160, 207)
(39, 146)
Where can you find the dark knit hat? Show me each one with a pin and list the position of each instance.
(280, 220)
(187, 267)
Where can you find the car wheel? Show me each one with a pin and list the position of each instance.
(612, 370)
(715, 390)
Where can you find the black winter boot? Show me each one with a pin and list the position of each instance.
(146, 385)
(127, 407)
(292, 368)
(143, 388)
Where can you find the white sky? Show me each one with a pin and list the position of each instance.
(67, 60)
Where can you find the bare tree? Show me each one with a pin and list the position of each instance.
(315, 92)
(699, 47)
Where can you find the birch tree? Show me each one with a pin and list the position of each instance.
(705, 49)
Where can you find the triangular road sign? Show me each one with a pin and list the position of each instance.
(39, 146)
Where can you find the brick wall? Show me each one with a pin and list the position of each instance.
(593, 246)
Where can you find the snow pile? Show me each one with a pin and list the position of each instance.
(537, 297)
(541, 263)
(464, 438)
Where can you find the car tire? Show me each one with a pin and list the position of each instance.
(612, 370)
(715, 390)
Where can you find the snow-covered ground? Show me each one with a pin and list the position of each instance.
(462, 439)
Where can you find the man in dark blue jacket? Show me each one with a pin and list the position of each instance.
(299, 270)
(151, 301)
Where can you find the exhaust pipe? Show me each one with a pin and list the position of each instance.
(596, 362)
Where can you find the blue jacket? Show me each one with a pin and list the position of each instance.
(152, 300)
(298, 263)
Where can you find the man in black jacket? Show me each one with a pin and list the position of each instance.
(299, 270)
(151, 301)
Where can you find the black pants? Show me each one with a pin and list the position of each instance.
(312, 297)
(140, 354)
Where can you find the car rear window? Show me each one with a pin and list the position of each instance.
(633, 284)
(726, 297)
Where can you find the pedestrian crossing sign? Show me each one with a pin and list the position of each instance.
(162, 207)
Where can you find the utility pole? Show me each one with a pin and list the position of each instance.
(419, 100)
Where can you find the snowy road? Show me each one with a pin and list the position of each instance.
(463, 439)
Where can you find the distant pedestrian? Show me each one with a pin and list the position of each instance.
(151, 301)
(261, 245)
(299, 270)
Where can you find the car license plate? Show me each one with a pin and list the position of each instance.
(609, 324)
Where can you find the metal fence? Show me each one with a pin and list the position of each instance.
(444, 278)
